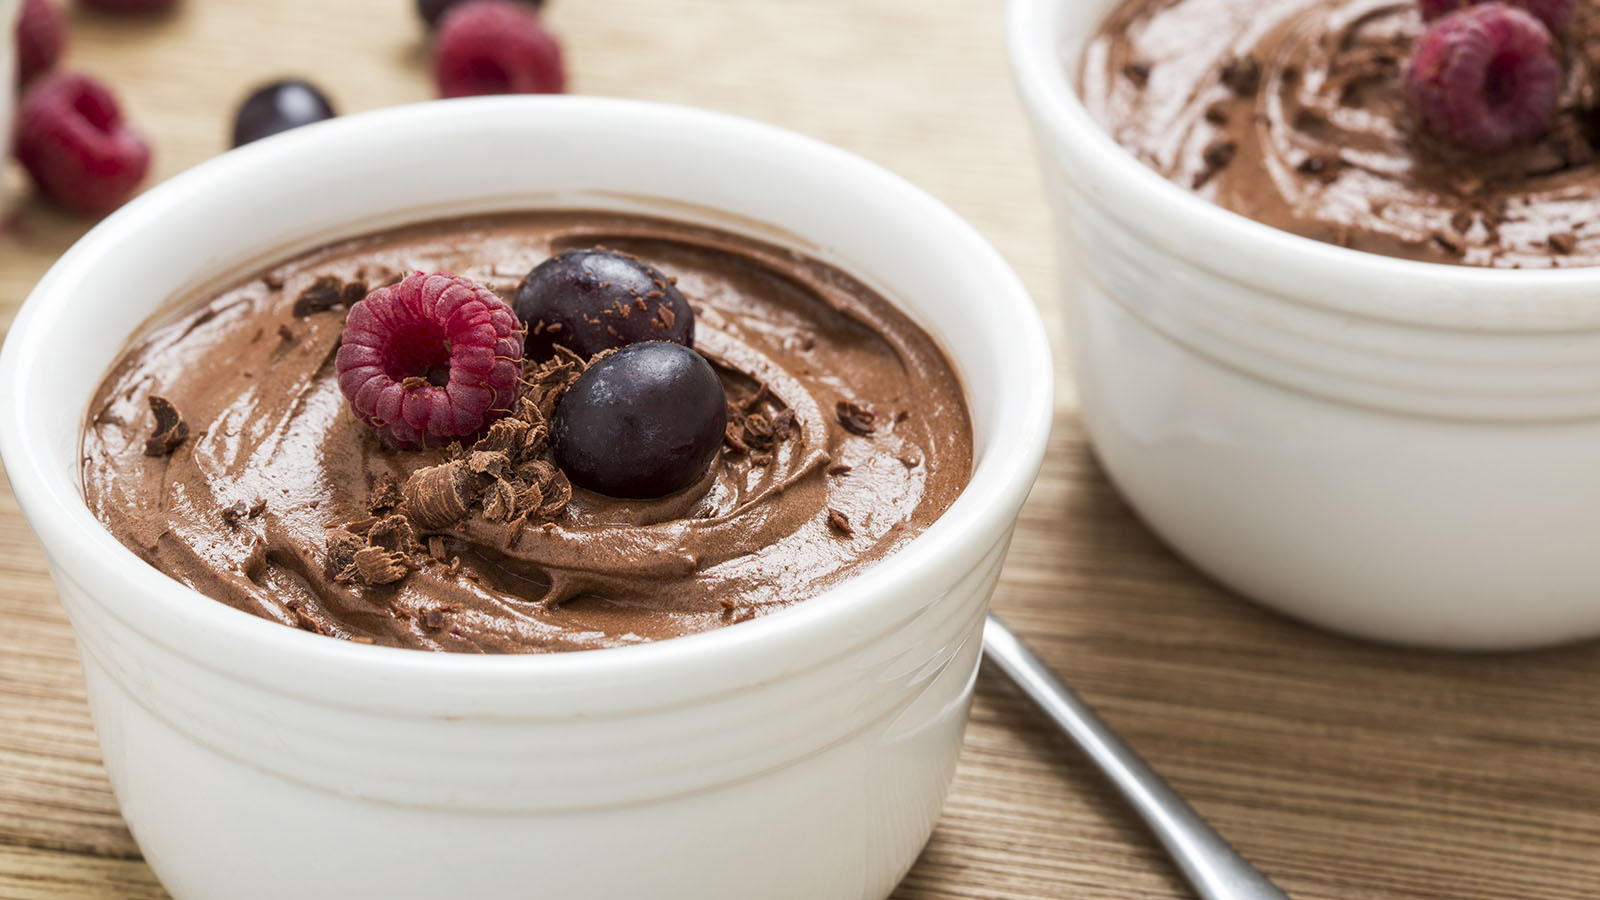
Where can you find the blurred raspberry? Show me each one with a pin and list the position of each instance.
(71, 138)
(495, 47)
(1485, 78)
(430, 360)
(41, 35)
(1555, 14)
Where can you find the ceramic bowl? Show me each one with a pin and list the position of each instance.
(801, 755)
(1396, 450)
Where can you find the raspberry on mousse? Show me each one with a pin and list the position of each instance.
(1485, 78)
(431, 360)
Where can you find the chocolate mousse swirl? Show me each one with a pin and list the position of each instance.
(1293, 113)
(848, 435)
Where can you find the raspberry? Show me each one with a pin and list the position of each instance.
(1555, 14)
(430, 360)
(495, 47)
(1485, 78)
(73, 141)
(40, 37)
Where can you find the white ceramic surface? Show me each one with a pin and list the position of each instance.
(1397, 450)
(801, 755)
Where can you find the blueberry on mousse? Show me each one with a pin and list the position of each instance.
(644, 421)
(596, 299)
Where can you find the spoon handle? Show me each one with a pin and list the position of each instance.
(1214, 869)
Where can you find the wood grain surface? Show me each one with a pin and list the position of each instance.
(1345, 770)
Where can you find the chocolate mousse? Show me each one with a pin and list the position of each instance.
(223, 450)
(1295, 113)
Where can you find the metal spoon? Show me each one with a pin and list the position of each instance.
(1214, 869)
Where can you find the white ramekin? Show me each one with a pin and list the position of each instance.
(1397, 450)
(800, 755)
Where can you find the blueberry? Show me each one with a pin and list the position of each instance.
(643, 422)
(279, 106)
(432, 10)
(594, 300)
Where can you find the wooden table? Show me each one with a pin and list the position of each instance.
(1345, 770)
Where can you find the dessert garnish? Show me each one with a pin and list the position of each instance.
(431, 360)
(1485, 77)
(432, 10)
(73, 141)
(170, 429)
(41, 35)
(596, 299)
(279, 106)
(644, 421)
(495, 47)
(856, 419)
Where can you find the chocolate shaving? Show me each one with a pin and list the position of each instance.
(436, 547)
(303, 619)
(1450, 240)
(171, 429)
(432, 619)
(1323, 166)
(855, 419)
(839, 522)
(257, 508)
(342, 547)
(1242, 75)
(500, 501)
(235, 514)
(558, 493)
(1563, 242)
(1217, 113)
(393, 534)
(437, 496)
(839, 469)
(375, 566)
(491, 463)
(1137, 72)
(1218, 154)
(505, 436)
(324, 294)
(286, 333)
(353, 293)
(385, 494)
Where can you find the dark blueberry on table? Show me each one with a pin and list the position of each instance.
(431, 10)
(279, 106)
(645, 421)
(594, 300)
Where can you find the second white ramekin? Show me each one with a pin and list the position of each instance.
(800, 755)
(1397, 450)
